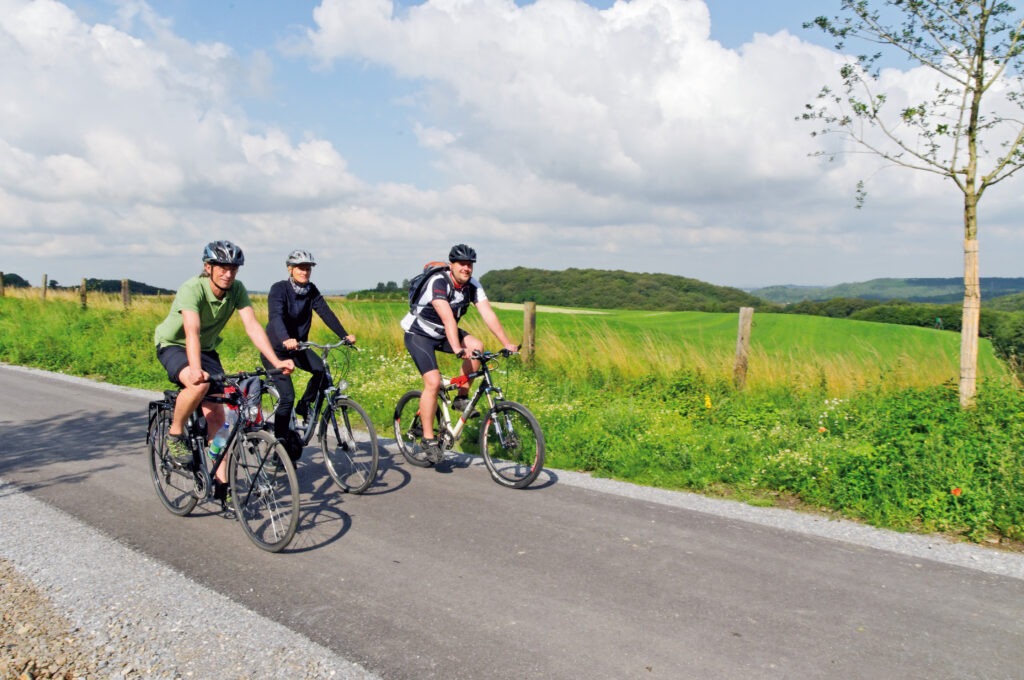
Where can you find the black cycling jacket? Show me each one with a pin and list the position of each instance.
(290, 315)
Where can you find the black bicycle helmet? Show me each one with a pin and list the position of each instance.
(461, 253)
(300, 257)
(223, 253)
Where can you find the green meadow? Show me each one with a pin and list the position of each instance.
(847, 418)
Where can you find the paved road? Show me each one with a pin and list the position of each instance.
(442, 574)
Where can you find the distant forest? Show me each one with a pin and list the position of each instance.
(15, 281)
(601, 289)
(94, 285)
(939, 291)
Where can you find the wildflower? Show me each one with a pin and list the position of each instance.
(822, 429)
(707, 401)
(956, 491)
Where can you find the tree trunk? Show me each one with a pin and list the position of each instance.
(969, 327)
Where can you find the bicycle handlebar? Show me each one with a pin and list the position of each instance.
(238, 377)
(488, 356)
(333, 345)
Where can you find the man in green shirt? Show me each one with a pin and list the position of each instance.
(187, 340)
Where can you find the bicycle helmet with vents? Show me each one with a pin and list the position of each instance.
(300, 257)
(223, 253)
(462, 253)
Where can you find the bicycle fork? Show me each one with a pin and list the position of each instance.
(505, 429)
(200, 475)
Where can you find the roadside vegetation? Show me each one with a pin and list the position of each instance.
(850, 418)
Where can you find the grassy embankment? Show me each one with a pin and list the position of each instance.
(852, 418)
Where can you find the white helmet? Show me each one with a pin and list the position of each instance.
(300, 257)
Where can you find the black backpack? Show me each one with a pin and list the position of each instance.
(417, 282)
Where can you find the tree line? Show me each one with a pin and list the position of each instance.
(92, 285)
(603, 289)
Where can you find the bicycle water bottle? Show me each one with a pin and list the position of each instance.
(221, 438)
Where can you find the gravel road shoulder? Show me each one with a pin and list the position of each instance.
(77, 604)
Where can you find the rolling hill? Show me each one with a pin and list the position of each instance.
(939, 290)
(601, 289)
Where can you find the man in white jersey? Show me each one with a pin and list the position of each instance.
(433, 324)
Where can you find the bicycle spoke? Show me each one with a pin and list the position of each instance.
(349, 446)
(174, 486)
(264, 491)
(512, 445)
(409, 429)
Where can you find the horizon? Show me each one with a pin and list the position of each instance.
(398, 282)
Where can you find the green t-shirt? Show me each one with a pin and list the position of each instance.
(196, 295)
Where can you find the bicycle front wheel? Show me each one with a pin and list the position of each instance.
(409, 428)
(264, 490)
(512, 445)
(349, 444)
(175, 486)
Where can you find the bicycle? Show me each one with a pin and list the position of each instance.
(347, 437)
(511, 441)
(262, 483)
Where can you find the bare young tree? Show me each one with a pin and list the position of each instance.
(969, 130)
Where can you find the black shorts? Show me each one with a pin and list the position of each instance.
(174, 359)
(422, 349)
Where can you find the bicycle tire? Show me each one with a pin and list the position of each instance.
(348, 442)
(174, 486)
(409, 430)
(264, 490)
(512, 445)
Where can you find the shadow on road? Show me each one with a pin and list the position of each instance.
(70, 447)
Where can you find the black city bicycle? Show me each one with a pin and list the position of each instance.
(262, 484)
(347, 437)
(511, 442)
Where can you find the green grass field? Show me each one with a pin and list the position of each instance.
(804, 352)
(853, 418)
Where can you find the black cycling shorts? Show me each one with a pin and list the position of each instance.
(174, 359)
(422, 349)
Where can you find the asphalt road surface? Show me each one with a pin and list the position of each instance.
(441, 573)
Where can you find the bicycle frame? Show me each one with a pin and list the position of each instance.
(197, 437)
(452, 430)
(317, 419)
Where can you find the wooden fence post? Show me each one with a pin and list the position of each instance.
(743, 347)
(126, 296)
(1, 284)
(43, 293)
(529, 331)
(81, 292)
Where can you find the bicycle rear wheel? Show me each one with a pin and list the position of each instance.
(349, 444)
(174, 486)
(512, 445)
(409, 429)
(264, 490)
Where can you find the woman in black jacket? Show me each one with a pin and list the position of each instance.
(290, 307)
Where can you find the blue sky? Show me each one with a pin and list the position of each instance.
(649, 135)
